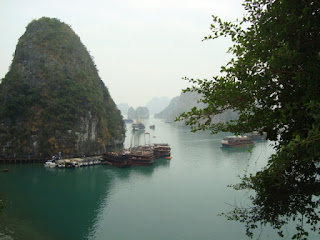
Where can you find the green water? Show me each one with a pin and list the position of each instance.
(172, 200)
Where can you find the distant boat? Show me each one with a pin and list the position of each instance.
(236, 141)
(138, 125)
(152, 127)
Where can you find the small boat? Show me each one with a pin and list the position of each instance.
(237, 141)
(50, 164)
(75, 164)
(152, 127)
(138, 125)
(61, 164)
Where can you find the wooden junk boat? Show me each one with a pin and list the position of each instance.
(138, 125)
(120, 159)
(161, 150)
(236, 141)
(142, 156)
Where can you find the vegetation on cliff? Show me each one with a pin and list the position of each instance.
(52, 99)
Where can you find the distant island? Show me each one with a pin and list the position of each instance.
(142, 112)
(157, 104)
(52, 98)
(184, 103)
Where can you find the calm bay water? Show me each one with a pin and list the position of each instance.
(174, 199)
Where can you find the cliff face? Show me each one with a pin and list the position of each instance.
(180, 104)
(157, 104)
(53, 100)
(142, 112)
(166, 112)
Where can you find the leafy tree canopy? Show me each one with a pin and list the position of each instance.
(273, 83)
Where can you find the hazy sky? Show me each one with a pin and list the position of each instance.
(142, 48)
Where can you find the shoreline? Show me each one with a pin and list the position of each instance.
(41, 160)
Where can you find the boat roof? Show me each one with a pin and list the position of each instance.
(161, 144)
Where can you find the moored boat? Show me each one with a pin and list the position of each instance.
(61, 164)
(50, 164)
(117, 159)
(161, 150)
(237, 141)
(142, 156)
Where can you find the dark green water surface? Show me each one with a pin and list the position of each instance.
(172, 200)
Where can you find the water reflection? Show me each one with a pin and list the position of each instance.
(55, 203)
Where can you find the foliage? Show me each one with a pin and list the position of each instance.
(273, 83)
(19, 96)
(52, 83)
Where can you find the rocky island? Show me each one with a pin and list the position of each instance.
(52, 98)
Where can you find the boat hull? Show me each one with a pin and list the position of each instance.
(236, 142)
(49, 164)
(117, 160)
(117, 164)
(236, 145)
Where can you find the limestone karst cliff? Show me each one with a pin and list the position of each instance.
(169, 111)
(53, 100)
(142, 112)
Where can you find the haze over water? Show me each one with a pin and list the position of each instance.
(174, 199)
